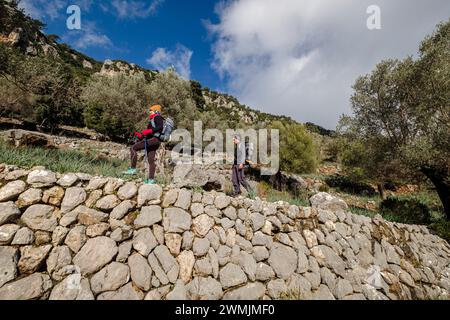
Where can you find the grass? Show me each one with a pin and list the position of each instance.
(272, 195)
(59, 160)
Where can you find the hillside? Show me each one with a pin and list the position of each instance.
(19, 31)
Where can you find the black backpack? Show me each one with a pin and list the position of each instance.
(168, 127)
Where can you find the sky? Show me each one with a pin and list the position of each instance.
(298, 58)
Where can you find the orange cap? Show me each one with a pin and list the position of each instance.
(156, 107)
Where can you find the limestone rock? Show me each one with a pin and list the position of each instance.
(8, 212)
(41, 178)
(110, 278)
(176, 220)
(184, 199)
(72, 288)
(58, 258)
(122, 209)
(127, 292)
(201, 288)
(31, 258)
(7, 233)
(144, 241)
(200, 246)
(251, 291)
(186, 261)
(141, 273)
(12, 190)
(23, 237)
(73, 197)
(326, 201)
(76, 238)
(148, 217)
(28, 288)
(29, 197)
(127, 191)
(53, 196)
(148, 193)
(283, 260)
(67, 180)
(168, 262)
(8, 261)
(178, 293)
(173, 242)
(202, 224)
(40, 217)
(96, 253)
(108, 202)
(231, 275)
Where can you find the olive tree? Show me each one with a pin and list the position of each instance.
(400, 127)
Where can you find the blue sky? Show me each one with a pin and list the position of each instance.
(298, 58)
(118, 32)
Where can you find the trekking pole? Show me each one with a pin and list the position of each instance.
(147, 166)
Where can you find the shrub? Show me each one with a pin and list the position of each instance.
(298, 153)
(411, 210)
(114, 105)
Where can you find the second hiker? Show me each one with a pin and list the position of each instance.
(237, 174)
(154, 129)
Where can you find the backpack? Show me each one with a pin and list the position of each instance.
(248, 152)
(168, 127)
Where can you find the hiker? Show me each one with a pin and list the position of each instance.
(154, 129)
(238, 176)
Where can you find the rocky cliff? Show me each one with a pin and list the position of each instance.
(74, 236)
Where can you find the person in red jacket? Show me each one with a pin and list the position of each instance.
(155, 125)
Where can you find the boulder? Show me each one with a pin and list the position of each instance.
(96, 253)
(148, 217)
(29, 288)
(8, 264)
(176, 220)
(12, 190)
(73, 197)
(231, 275)
(110, 278)
(32, 258)
(41, 178)
(141, 273)
(148, 193)
(8, 212)
(7, 233)
(283, 260)
(251, 291)
(40, 217)
(326, 201)
(29, 197)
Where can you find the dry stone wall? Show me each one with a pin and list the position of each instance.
(77, 237)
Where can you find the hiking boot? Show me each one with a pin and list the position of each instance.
(131, 171)
(149, 181)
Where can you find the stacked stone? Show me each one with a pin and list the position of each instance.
(73, 236)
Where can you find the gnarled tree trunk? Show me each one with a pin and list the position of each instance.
(441, 180)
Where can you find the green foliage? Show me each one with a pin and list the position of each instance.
(320, 130)
(197, 94)
(115, 105)
(175, 96)
(45, 81)
(400, 128)
(298, 153)
(442, 229)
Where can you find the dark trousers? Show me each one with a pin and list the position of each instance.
(152, 146)
(238, 179)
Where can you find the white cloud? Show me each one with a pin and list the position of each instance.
(39, 9)
(180, 58)
(89, 36)
(52, 9)
(301, 57)
(126, 9)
